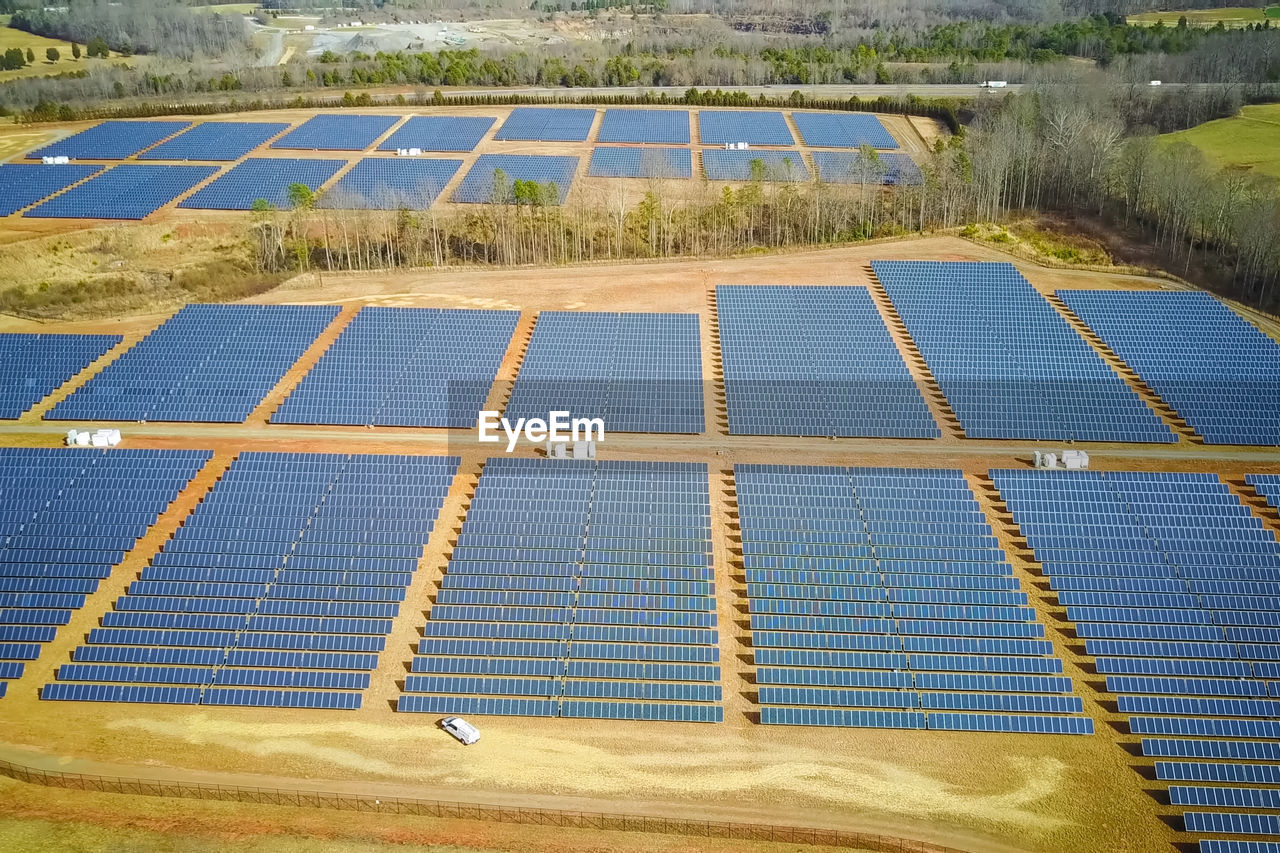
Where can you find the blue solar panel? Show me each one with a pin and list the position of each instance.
(547, 124)
(842, 167)
(33, 366)
(638, 372)
(205, 363)
(337, 132)
(478, 185)
(111, 140)
(1236, 824)
(265, 178)
(641, 163)
(1222, 846)
(754, 127)
(1215, 369)
(842, 130)
(216, 140)
(127, 191)
(722, 165)
(383, 183)
(1009, 365)
(669, 127)
(24, 184)
(439, 133)
(814, 361)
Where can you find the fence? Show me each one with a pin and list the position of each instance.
(470, 811)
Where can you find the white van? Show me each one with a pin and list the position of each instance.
(461, 729)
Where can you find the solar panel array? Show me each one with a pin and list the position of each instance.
(1010, 366)
(439, 133)
(754, 127)
(1174, 586)
(641, 163)
(23, 184)
(1220, 373)
(846, 167)
(265, 178)
(814, 361)
(1267, 486)
(722, 165)
(277, 591)
(477, 186)
(381, 183)
(205, 363)
(33, 366)
(337, 132)
(546, 124)
(638, 372)
(66, 518)
(576, 589)
(216, 140)
(111, 140)
(842, 130)
(880, 598)
(127, 191)
(404, 367)
(669, 127)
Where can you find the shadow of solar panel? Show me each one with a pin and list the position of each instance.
(477, 187)
(265, 178)
(111, 140)
(641, 163)
(722, 165)
(842, 130)
(22, 185)
(439, 133)
(382, 183)
(33, 366)
(754, 127)
(123, 192)
(655, 126)
(815, 361)
(1010, 366)
(205, 363)
(1215, 369)
(888, 168)
(547, 124)
(452, 357)
(215, 141)
(337, 132)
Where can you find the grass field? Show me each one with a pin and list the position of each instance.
(1250, 140)
(1233, 16)
(228, 8)
(10, 37)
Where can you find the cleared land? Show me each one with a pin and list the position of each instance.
(1232, 16)
(1250, 140)
(10, 37)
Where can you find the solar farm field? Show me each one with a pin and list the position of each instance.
(810, 580)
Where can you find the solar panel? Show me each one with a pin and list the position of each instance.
(451, 355)
(1215, 369)
(722, 165)
(337, 132)
(477, 187)
(814, 361)
(840, 167)
(262, 178)
(127, 191)
(111, 140)
(1009, 365)
(641, 163)
(638, 372)
(24, 184)
(33, 366)
(382, 183)
(842, 130)
(754, 127)
(439, 133)
(546, 124)
(1236, 824)
(216, 140)
(205, 363)
(669, 127)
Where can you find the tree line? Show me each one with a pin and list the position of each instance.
(156, 26)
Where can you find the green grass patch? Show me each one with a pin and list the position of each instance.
(1273, 12)
(1237, 16)
(1250, 140)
